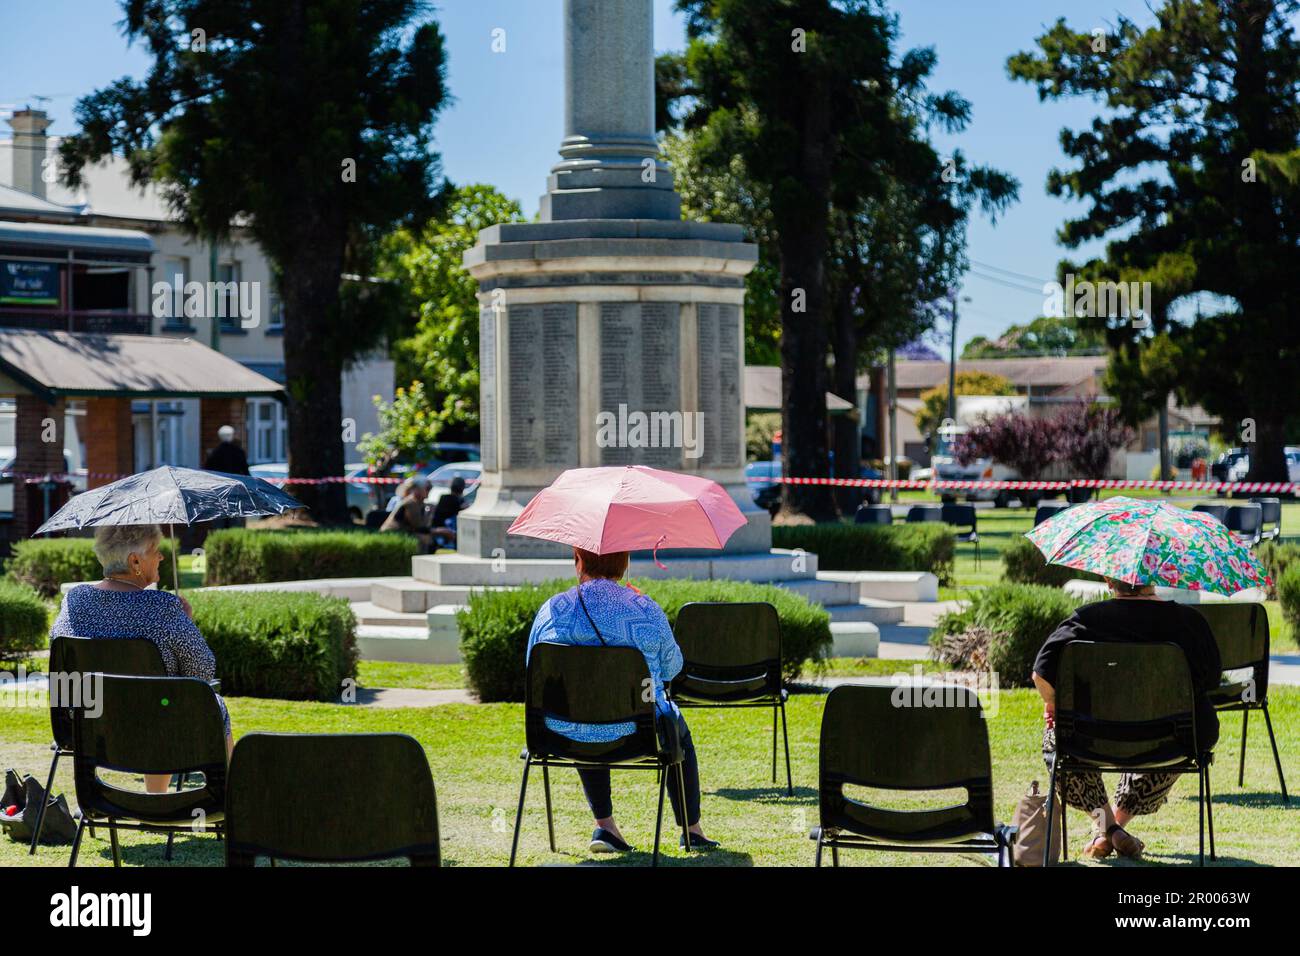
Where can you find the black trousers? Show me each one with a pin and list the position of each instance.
(595, 784)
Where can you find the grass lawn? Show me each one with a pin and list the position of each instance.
(473, 752)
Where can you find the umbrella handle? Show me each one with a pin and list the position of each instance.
(655, 553)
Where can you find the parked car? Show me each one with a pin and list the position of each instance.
(1233, 461)
(361, 496)
(441, 478)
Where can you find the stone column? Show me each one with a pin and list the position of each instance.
(110, 440)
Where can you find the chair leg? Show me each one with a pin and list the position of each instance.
(76, 841)
(774, 745)
(659, 818)
(835, 855)
(817, 861)
(40, 811)
(519, 814)
(1200, 809)
(550, 822)
(112, 836)
(1268, 721)
(1241, 769)
(171, 835)
(1051, 812)
(1209, 813)
(785, 736)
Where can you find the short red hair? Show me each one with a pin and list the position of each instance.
(612, 565)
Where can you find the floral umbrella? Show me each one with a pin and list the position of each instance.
(1149, 542)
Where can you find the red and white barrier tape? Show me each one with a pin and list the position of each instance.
(33, 478)
(1252, 487)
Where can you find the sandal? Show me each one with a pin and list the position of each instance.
(1125, 843)
(1094, 852)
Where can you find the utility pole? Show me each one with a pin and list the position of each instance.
(952, 363)
(892, 405)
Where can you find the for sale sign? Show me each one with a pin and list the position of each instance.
(29, 283)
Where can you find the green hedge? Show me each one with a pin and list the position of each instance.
(245, 556)
(1025, 564)
(860, 547)
(1288, 593)
(1012, 619)
(24, 620)
(47, 563)
(1277, 557)
(494, 627)
(294, 646)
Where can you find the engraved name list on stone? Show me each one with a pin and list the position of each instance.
(719, 383)
(640, 344)
(543, 385)
(487, 377)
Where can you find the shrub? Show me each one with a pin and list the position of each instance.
(494, 627)
(1277, 558)
(24, 620)
(858, 547)
(1288, 593)
(47, 563)
(1025, 564)
(290, 645)
(1017, 617)
(246, 556)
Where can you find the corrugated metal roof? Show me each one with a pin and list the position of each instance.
(19, 202)
(88, 240)
(72, 364)
(1045, 372)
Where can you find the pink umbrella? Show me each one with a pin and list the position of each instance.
(630, 508)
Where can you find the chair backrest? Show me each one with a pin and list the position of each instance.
(873, 514)
(1124, 703)
(330, 798)
(959, 516)
(588, 685)
(919, 513)
(72, 657)
(1271, 509)
(1241, 632)
(1219, 511)
(146, 725)
(878, 736)
(732, 652)
(1245, 519)
(1043, 512)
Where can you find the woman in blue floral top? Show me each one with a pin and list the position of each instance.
(625, 618)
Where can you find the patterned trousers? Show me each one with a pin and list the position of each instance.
(1136, 793)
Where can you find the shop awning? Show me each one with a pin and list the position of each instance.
(86, 243)
(83, 365)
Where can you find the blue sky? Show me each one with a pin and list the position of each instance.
(507, 119)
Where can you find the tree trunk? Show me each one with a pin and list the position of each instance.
(847, 441)
(1166, 472)
(1267, 457)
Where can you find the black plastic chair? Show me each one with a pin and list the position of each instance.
(273, 776)
(965, 520)
(1271, 514)
(71, 657)
(873, 514)
(920, 513)
(595, 685)
(1043, 512)
(1219, 511)
(1242, 634)
(1245, 522)
(868, 741)
(149, 725)
(1126, 708)
(732, 659)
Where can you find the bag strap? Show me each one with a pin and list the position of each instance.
(599, 637)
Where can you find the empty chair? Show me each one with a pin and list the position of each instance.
(70, 658)
(1270, 516)
(596, 685)
(873, 514)
(1219, 511)
(1242, 635)
(869, 741)
(149, 725)
(1245, 522)
(312, 798)
(963, 518)
(919, 513)
(732, 658)
(1043, 512)
(1127, 708)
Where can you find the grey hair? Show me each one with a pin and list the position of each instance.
(115, 543)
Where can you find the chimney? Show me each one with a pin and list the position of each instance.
(29, 127)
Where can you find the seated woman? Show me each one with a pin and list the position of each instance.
(123, 605)
(602, 611)
(1136, 615)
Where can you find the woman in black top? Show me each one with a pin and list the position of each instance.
(1134, 615)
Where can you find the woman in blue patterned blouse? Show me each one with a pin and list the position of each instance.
(124, 605)
(625, 618)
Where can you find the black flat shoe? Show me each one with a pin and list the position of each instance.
(602, 841)
(698, 843)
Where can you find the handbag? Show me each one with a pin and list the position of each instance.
(25, 793)
(1031, 820)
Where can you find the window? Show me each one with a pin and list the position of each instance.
(175, 272)
(275, 318)
(267, 429)
(227, 296)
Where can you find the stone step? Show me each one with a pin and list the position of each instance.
(888, 585)
(854, 639)
(368, 613)
(877, 612)
(410, 596)
(456, 569)
(822, 592)
(409, 645)
(353, 589)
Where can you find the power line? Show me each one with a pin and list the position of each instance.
(1009, 272)
(1007, 283)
